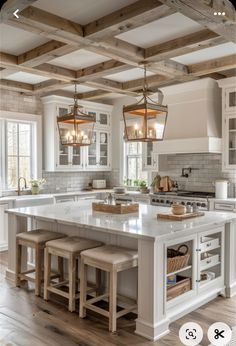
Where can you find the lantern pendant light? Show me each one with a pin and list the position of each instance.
(76, 128)
(145, 121)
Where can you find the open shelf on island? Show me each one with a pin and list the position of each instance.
(179, 271)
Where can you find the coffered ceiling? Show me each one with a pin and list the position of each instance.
(103, 44)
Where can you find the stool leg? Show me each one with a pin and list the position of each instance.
(72, 282)
(60, 268)
(83, 288)
(98, 282)
(18, 263)
(47, 272)
(112, 300)
(38, 270)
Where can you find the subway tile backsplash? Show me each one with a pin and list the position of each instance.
(206, 169)
(75, 181)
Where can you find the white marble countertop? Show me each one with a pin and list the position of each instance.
(138, 225)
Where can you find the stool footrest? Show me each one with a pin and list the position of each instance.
(125, 311)
(27, 271)
(96, 299)
(96, 309)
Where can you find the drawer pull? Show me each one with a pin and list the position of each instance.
(208, 244)
(209, 261)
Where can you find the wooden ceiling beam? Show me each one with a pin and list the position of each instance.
(202, 12)
(169, 68)
(183, 45)
(15, 86)
(127, 18)
(92, 95)
(10, 6)
(51, 24)
(109, 85)
(137, 84)
(49, 86)
(46, 70)
(212, 66)
(102, 69)
(44, 53)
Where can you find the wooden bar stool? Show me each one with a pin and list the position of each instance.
(111, 259)
(70, 249)
(36, 240)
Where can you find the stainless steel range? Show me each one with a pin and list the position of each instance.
(183, 197)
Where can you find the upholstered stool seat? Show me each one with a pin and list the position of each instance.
(111, 259)
(70, 249)
(35, 239)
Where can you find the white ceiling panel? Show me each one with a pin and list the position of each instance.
(82, 11)
(125, 76)
(79, 59)
(80, 88)
(16, 41)
(161, 30)
(27, 78)
(207, 54)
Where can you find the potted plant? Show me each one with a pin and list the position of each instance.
(36, 185)
(143, 186)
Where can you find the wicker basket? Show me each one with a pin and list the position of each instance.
(177, 259)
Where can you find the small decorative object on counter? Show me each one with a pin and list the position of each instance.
(143, 187)
(195, 207)
(189, 209)
(36, 185)
(178, 209)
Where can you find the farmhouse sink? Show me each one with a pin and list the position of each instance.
(32, 200)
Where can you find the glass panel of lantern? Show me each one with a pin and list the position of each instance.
(76, 128)
(144, 122)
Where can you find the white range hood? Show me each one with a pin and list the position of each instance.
(194, 118)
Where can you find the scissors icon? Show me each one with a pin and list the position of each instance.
(219, 334)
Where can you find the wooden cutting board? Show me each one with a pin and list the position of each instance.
(171, 216)
(116, 209)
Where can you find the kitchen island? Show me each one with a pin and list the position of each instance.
(215, 231)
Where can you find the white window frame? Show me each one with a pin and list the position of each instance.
(36, 122)
(126, 157)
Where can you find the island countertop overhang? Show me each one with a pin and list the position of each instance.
(138, 225)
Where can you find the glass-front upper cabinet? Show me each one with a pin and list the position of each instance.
(231, 126)
(230, 99)
(103, 148)
(102, 117)
(149, 157)
(98, 153)
(228, 86)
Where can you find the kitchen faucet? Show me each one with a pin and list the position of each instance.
(19, 190)
(187, 171)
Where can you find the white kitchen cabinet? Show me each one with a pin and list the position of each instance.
(98, 154)
(149, 157)
(3, 227)
(206, 257)
(228, 86)
(58, 157)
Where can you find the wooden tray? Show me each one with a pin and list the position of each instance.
(116, 209)
(171, 216)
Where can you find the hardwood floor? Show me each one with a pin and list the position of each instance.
(26, 320)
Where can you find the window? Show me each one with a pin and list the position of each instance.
(18, 152)
(132, 161)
